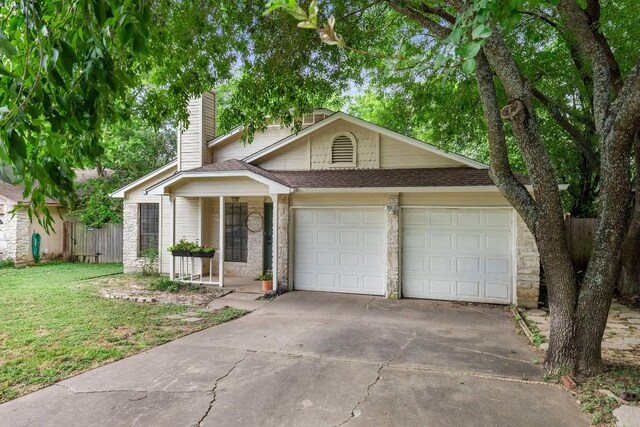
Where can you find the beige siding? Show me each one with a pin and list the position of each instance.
(236, 149)
(338, 199)
(293, 157)
(366, 144)
(396, 154)
(52, 243)
(187, 218)
(492, 198)
(230, 186)
(192, 140)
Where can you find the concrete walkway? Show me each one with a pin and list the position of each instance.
(314, 359)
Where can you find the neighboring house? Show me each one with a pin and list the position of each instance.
(347, 206)
(16, 229)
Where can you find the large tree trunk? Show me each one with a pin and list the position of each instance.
(629, 284)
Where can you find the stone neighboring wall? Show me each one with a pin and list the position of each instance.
(283, 242)
(17, 235)
(130, 259)
(527, 267)
(392, 211)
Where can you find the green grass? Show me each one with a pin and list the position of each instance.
(54, 324)
(600, 407)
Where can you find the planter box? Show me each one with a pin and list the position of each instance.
(203, 254)
(180, 253)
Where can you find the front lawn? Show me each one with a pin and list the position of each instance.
(54, 324)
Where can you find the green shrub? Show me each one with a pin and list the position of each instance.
(165, 285)
(7, 263)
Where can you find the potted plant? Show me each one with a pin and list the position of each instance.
(203, 251)
(267, 281)
(182, 248)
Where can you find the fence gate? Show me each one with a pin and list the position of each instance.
(580, 233)
(84, 243)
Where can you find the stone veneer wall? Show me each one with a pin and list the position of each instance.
(527, 266)
(131, 261)
(255, 246)
(392, 211)
(283, 241)
(17, 235)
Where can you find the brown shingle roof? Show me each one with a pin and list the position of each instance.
(358, 178)
(362, 178)
(238, 165)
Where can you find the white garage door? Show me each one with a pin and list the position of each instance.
(339, 250)
(457, 254)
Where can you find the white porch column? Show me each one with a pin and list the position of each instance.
(221, 244)
(200, 237)
(172, 269)
(274, 245)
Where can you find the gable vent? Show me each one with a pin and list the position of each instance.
(342, 150)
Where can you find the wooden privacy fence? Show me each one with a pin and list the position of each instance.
(83, 243)
(580, 238)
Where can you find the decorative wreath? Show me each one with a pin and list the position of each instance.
(254, 222)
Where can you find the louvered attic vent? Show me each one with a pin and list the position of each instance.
(342, 150)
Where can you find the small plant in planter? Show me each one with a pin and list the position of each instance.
(182, 248)
(267, 281)
(203, 251)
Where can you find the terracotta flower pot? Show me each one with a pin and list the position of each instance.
(267, 285)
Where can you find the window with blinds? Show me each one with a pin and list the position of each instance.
(235, 232)
(343, 150)
(149, 226)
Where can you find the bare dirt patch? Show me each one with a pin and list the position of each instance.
(134, 287)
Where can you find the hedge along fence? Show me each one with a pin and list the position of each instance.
(81, 240)
(580, 233)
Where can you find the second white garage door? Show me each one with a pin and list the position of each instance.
(457, 254)
(339, 250)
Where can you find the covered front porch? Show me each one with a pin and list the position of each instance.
(238, 213)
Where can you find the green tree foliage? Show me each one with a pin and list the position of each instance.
(62, 66)
(131, 149)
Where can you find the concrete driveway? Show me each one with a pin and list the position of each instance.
(310, 359)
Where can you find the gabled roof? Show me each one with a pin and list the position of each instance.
(239, 129)
(351, 119)
(119, 193)
(228, 168)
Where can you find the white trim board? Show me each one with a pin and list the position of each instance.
(274, 187)
(120, 193)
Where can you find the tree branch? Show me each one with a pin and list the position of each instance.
(500, 169)
(578, 23)
(576, 135)
(417, 16)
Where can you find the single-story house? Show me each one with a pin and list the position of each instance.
(343, 205)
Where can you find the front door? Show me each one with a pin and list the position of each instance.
(268, 237)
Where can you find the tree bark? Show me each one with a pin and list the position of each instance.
(629, 284)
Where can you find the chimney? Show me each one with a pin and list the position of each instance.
(192, 141)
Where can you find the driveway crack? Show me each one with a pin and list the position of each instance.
(354, 411)
(215, 387)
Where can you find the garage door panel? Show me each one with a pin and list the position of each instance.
(458, 254)
(348, 248)
(497, 290)
(468, 241)
(499, 218)
(440, 287)
(349, 238)
(470, 289)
